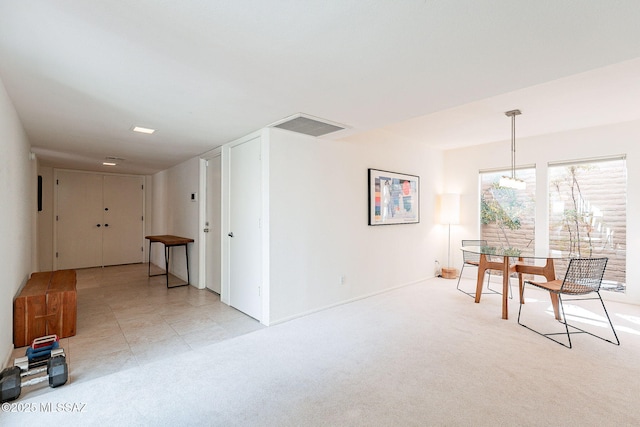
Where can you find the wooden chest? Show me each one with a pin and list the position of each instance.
(46, 305)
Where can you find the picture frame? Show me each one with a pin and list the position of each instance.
(394, 198)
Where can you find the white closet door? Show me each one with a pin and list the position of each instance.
(99, 219)
(245, 198)
(123, 219)
(78, 220)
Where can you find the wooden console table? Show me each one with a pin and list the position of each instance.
(169, 242)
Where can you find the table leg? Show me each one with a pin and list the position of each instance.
(149, 254)
(187, 257)
(520, 281)
(482, 267)
(549, 272)
(166, 263)
(168, 243)
(186, 253)
(505, 288)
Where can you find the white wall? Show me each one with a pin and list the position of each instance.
(462, 167)
(318, 221)
(17, 215)
(174, 213)
(158, 201)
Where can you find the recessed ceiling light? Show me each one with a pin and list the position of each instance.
(143, 130)
(108, 164)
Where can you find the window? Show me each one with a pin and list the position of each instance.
(588, 214)
(507, 216)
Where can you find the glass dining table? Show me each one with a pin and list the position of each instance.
(515, 260)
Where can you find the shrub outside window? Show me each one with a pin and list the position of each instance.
(507, 216)
(587, 214)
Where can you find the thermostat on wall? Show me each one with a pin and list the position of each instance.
(194, 197)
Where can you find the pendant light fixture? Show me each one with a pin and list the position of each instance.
(512, 181)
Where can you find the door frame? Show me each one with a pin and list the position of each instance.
(225, 216)
(202, 218)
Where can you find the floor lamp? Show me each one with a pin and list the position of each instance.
(449, 214)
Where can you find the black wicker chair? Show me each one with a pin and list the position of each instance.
(582, 280)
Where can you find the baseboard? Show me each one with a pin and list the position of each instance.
(326, 307)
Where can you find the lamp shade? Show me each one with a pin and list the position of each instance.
(515, 183)
(449, 208)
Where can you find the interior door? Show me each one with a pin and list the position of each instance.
(78, 220)
(213, 225)
(99, 219)
(245, 204)
(123, 220)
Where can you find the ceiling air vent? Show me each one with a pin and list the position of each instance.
(307, 125)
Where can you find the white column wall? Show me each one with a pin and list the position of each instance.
(318, 221)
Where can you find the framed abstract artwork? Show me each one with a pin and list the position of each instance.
(394, 198)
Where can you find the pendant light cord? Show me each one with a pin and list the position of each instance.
(513, 146)
(513, 114)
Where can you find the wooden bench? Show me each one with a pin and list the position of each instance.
(46, 305)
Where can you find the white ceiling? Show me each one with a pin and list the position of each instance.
(82, 73)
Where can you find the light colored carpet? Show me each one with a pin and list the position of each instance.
(421, 355)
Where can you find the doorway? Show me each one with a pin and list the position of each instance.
(234, 225)
(213, 223)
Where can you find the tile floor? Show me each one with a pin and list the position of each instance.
(126, 319)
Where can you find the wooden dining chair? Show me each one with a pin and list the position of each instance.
(581, 282)
(473, 259)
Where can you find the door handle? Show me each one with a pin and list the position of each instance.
(230, 234)
(206, 230)
(106, 225)
(98, 225)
